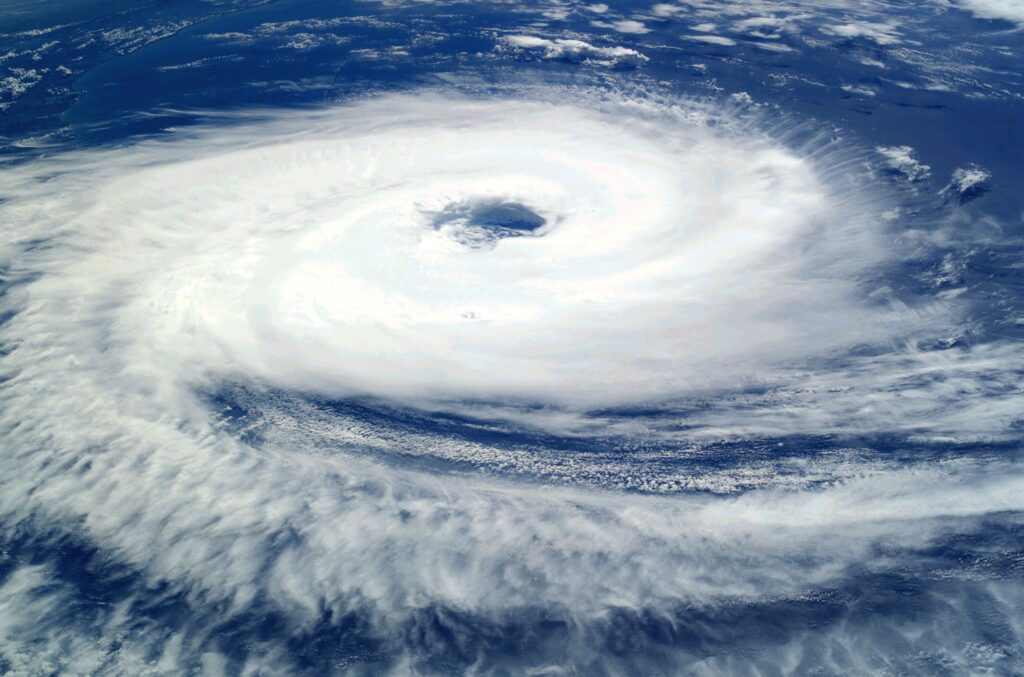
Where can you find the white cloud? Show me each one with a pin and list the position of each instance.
(19, 81)
(882, 33)
(712, 40)
(759, 22)
(528, 41)
(964, 179)
(773, 47)
(901, 160)
(576, 50)
(967, 183)
(300, 35)
(862, 90)
(666, 10)
(630, 26)
(1009, 10)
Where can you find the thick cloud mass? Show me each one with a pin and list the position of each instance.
(529, 260)
(670, 257)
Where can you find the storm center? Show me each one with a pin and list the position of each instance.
(483, 223)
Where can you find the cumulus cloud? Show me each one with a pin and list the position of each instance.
(967, 183)
(862, 90)
(19, 82)
(630, 26)
(900, 160)
(576, 50)
(1008, 10)
(882, 33)
(664, 10)
(713, 40)
(773, 46)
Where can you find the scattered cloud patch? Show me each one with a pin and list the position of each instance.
(576, 51)
(900, 160)
(1007, 10)
(127, 40)
(665, 10)
(967, 183)
(233, 36)
(630, 26)
(862, 90)
(759, 22)
(19, 81)
(306, 41)
(301, 35)
(713, 40)
(882, 33)
(370, 54)
(773, 46)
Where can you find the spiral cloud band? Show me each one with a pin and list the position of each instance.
(418, 247)
(536, 263)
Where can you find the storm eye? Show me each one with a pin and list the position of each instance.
(482, 224)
